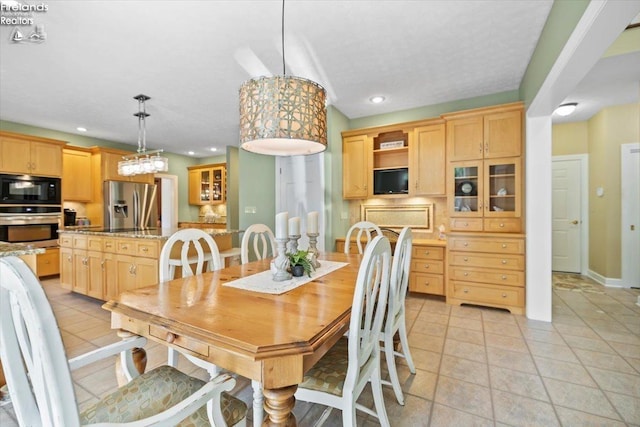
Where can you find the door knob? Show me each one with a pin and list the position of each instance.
(574, 222)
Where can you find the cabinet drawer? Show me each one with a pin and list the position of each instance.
(427, 283)
(427, 266)
(481, 275)
(506, 262)
(66, 241)
(109, 245)
(476, 244)
(48, 263)
(465, 224)
(94, 243)
(491, 294)
(503, 225)
(179, 341)
(80, 242)
(427, 252)
(147, 249)
(126, 247)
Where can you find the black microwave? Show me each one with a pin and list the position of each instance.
(28, 189)
(391, 181)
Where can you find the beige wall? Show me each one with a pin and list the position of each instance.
(600, 137)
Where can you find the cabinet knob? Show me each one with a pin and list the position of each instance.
(504, 261)
(426, 252)
(465, 259)
(426, 283)
(125, 247)
(69, 258)
(466, 274)
(426, 266)
(465, 244)
(171, 337)
(466, 224)
(501, 225)
(504, 245)
(504, 277)
(466, 291)
(504, 295)
(144, 249)
(107, 245)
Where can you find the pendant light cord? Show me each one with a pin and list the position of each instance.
(284, 68)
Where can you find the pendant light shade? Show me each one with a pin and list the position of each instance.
(283, 116)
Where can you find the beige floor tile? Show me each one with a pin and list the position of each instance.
(497, 315)
(466, 322)
(423, 359)
(465, 335)
(465, 369)
(627, 406)
(468, 312)
(596, 344)
(605, 361)
(534, 324)
(510, 359)
(502, 328)
(575, 330)
(506, 343)
(445, 416)
(571, 417)
(625, 350)
(518, 410)
(617, 382)
(410, 415)
(432, 318)
(564, 371)
(633, 361)
(582, 398)
(547, 336)
(564, 319)
(464, 396)
(426, 342)
(427, 328)
(516, 382)
(465, 350)
(552, 351)
(421, 384)
(620, 337)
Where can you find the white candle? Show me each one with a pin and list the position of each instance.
(281, 225)
(312, 223)
(294, 226)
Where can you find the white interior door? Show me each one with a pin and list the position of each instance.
(630, 200)
(566, 216)
(300, 190)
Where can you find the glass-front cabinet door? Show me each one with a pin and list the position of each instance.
(502, 187)
(466, 189)
(205, 186)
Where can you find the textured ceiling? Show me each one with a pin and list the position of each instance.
(191, 57)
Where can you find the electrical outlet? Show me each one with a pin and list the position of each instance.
(250, 209)
(344, 215)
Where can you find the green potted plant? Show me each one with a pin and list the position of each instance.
(299, 263)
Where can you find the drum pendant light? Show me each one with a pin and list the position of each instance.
(283, 115)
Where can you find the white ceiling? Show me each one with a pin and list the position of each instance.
(191, 57)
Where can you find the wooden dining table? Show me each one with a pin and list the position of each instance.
(273, 339)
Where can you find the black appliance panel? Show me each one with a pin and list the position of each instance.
(29, 189)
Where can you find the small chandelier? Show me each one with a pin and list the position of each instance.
(143, 162)
(283, 115)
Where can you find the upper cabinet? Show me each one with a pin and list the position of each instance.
(485, 133)
(356, 151)
(427, 153)
(207, 184)
(76, 170)
(26, 154)
(109, 160)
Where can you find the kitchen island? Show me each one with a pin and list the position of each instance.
(102, 263)
(25, 251)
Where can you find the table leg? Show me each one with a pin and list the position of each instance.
(278, 404)
(139, 356)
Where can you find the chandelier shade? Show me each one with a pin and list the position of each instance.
(143, 162)
(283, 116)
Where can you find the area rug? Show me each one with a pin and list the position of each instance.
(576, 283)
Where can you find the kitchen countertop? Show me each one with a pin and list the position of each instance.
(151, 233)
(18, 249)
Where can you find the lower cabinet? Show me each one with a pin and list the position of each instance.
(48, 263)
(486, 269)
(66, 267)
(427, 269)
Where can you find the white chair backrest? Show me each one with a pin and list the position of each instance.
(190, 238)
(260, 238)
(32, 352)
(399, 282)
(368, 310)
(363, 229)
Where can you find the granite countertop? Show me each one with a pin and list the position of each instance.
(151, 233)
(17, 249)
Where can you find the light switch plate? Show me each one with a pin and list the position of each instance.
(250, 209)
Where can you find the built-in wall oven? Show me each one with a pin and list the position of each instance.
(30, 210)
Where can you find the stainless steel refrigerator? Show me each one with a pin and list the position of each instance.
(129, 205)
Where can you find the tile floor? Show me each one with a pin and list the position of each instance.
(475, 366)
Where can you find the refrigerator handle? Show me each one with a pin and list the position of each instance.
(136, 209)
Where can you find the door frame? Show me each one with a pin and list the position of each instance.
(169, 188)
(584, 206)
(625, 261)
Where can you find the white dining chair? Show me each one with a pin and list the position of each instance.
(39, 375)
(364, 232)
(258, 242)
(395, 321)
(340, 376)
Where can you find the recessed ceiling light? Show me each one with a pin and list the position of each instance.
(213, 149)
(81, 129)
(377, 99)
(191, 153)
(566, 109)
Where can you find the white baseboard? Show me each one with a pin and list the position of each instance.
(606, 281)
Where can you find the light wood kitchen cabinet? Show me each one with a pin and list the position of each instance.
(66, 267)
(427, 269)
(484, 133)
(76, 168)
(80, 265)
(26, 154)
(487, 269)
(109, 165)
(207, 184)
(427, 154)
(135, 272)
(356, 171)
(48, 263)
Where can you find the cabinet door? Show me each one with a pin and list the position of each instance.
(146, 272)
(194, 187)
(15, 155)
(80, 272)
(126, 275)
(96, 275)
(46, 159)
(465, 189)
(502, 188)
(217, 185)
(76, 170)
(110, 279)
(66, 268)
(427, 152)
(503, 134)
(464, 139)
(355, 167)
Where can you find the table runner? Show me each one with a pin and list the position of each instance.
(263, 281)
